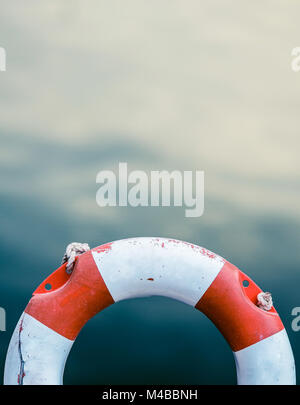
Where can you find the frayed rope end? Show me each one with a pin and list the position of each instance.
(73, 249)
(264, 301)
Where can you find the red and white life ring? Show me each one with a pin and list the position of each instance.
(141, 267)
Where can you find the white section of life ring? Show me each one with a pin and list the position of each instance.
(43, 351)
(137, 261)
(255, 364)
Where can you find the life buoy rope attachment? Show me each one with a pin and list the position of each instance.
(141, 267)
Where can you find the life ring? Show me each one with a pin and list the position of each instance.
(142, 267)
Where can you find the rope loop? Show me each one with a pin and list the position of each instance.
(72, 250)
(264, 301)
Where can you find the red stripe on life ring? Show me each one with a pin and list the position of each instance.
(65, 310)
(232, 308)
